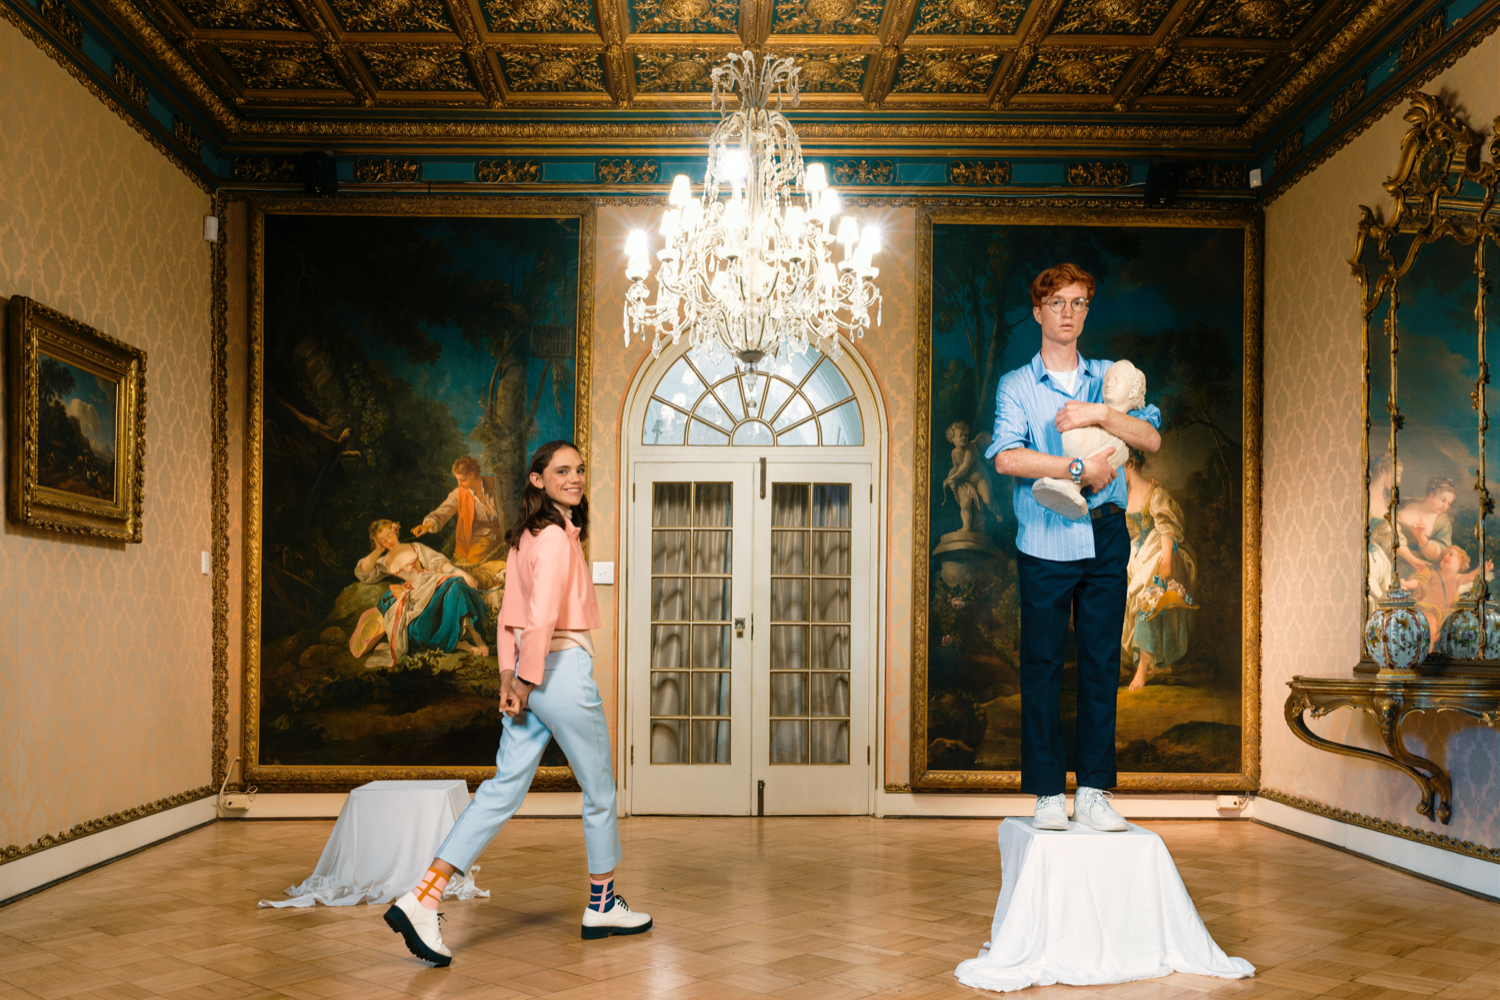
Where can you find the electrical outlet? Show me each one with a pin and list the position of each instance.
(237, 803)
(1231, 803)
(208, 562)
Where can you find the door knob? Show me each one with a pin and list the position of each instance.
(739, 628)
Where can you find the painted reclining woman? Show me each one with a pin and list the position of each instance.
(435, 606)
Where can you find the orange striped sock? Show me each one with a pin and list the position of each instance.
(430, 890)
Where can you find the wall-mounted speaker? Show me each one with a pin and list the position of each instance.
(320, 174)
(1162, 182)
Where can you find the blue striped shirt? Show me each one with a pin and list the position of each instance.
(1026, 403)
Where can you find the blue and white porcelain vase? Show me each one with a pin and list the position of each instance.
(1397, 636)
(1459, 637)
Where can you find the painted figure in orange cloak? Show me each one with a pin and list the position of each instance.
(476, 545)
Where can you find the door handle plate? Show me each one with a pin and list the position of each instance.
(739, 628)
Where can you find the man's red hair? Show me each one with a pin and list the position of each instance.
(1059, 276)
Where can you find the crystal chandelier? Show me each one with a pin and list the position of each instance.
(747, 267)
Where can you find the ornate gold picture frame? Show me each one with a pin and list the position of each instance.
(410, 353)
(77, 419)
(1189, 695)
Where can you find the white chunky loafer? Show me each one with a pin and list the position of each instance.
(618, 919)
(419, 926)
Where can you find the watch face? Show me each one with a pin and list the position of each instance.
(1075, 467)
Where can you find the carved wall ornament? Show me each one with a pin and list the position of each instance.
(1255, 18)
(1099, 173)
(829, 17)
(418, 68)
(387, 171)
(685, 16)
(1207, 74)
(392, 15)
(945, 72)
(13, 851)
(968, 17)
(267, 169)
(666, 72)
(1288, 150)
(540, 15)
(1348, 98)
(508, 171)
(131, 85)
(57, 14)
(242, 15)
(1111, 17)
(830, 72)
(627, 171)
(562, 69)
(282, 67)
(979, 173)
(1425, 36)
(1216, 175)
(1076, 71)
(190, 139)
(847, 172)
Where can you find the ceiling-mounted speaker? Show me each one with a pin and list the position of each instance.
(320, 174)
(1162, 182)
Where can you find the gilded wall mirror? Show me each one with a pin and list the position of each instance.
(1426, 292)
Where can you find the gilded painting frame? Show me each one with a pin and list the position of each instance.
(1074, 213)
(338, 778)
(35, 331)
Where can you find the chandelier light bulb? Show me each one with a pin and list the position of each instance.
(870, 240)
(829, 205)
(692, 215)
(635, 244)
(670, 224)
(682, 191)
(734, 163)
(816, 180)
(848, 234)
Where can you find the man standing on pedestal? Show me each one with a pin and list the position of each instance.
(1068, 569)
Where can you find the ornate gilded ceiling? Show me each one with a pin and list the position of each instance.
(1137, 60)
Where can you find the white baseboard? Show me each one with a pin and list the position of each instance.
(314, 805)
(70, 857)
(948, 805)
(1450, 867)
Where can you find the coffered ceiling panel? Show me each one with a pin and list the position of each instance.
(369, 65)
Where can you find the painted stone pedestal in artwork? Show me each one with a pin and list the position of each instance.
(962, 555)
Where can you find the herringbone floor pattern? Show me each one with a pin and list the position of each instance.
(801, 909)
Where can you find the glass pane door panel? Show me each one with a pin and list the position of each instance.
(712, 552)
(669, 551)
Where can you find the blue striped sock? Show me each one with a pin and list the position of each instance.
(601, 894)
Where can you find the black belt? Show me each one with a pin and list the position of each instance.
(1105, 510)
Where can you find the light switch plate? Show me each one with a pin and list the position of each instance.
(604, 572)
(208, 563)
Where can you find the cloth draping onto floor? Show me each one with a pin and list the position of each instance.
(1086, 908)
(385, 837)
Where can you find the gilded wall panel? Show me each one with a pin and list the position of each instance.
(1313, 480)
(105, 663)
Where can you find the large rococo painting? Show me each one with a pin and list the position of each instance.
(407, 355)
(1179, 295)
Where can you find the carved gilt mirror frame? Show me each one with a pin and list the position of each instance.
(1439, 226)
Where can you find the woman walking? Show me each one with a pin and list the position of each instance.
(547, 691)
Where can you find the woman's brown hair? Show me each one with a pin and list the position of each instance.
(537, 511)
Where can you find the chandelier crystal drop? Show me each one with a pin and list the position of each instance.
(747, 265)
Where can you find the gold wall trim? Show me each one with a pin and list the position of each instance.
(1438, 840)
(50, 49)
(1095, 212)
(338, 777)
(219, 490)
(14, 852)
(1469, 39)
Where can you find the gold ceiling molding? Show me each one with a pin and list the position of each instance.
(13, 852)
(1076, 71)
(628, 171)
(1438, 840)
(1099, 173)
(1428, 34)
(56, 13)
(971, 17)
(1290, 147)
(266, 169)
(1273, 19)
(388, 171)
(979, 173)
(508, 171)
(131, 84)
(1112, 17)
(1348, 98)
(862, 171)
(191, 141)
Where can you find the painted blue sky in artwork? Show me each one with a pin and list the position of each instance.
(92, 403)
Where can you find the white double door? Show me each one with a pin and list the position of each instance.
(751, 653)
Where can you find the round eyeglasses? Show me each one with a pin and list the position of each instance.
(1079, 305)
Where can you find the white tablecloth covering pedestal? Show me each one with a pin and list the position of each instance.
(1086, 908)
(385, 837)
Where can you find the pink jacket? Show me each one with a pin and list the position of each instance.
(547, 587)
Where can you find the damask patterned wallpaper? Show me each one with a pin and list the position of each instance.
(105, 664)
(1313, 481)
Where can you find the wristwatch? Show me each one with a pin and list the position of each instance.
(1075, 469)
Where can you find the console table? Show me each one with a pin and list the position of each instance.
(1389, 700)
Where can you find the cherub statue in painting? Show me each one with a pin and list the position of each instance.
(966, 478)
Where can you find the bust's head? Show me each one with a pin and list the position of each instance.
(1124, 386)
(958, 433)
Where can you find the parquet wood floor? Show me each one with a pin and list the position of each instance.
(801, 909)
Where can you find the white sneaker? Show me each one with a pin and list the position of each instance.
(1051, 813)
(618, 919)
(419, 926)
(1091, 808)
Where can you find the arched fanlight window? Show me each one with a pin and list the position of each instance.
(799, 399)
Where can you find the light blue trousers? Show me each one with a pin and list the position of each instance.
(565, 705)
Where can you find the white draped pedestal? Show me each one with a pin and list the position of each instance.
(385, 837)
(1086, 908)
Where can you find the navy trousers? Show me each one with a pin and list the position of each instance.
(1092, 592)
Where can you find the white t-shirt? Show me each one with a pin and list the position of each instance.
(1068, 380)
